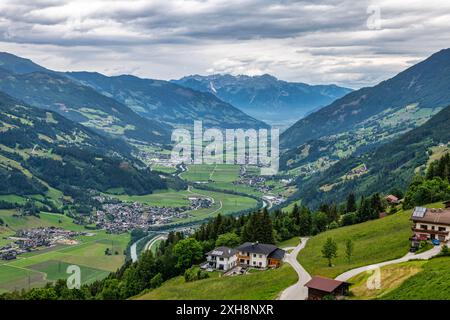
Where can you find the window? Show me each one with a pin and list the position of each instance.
(254, 263)
(442, 229)
(260, 255)
(260, 264)
(423, 227)
(254, 255)
(221, 259)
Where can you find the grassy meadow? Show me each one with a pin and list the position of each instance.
(374, 241)
(35, 268)
(264, 285)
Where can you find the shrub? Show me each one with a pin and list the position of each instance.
(445, 252)
(333, 225)
(156, 281)
(348, 219)
(194, 274)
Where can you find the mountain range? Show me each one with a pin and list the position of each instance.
(374, 139)
(168, 102)
(367, 118)
(126, 106)
(392, 165)
(425, 85)
(266, 97)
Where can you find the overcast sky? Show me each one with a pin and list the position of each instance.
(318, 42)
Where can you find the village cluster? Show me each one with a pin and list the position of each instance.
(28, 240)
(258, 182)
(118, 217)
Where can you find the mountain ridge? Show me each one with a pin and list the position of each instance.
(52, 90)
(168, 102)
(413, 85)
(391, 165)
(265, 96)
(40, 149)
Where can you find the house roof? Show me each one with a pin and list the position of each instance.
(223, 252)
(391, 198)
(434, 216)
(324, 284)
(261, 248)
(382, 215)
(277, 254)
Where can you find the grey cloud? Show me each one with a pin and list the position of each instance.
(311, 41)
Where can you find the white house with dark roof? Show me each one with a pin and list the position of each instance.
(256, 255)
(259, 255)
(221, 258)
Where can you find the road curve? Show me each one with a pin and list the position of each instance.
(149, 244)
(297, 291)
(410, 256)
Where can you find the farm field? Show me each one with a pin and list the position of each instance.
(222, 176)
(374, 241)
(166, 198)
(211, 172)
(242, 188)
(164, 169)
(34, 269)
(223, 203)
(264, 285)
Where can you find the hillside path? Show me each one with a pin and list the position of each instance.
(410, 256)
(297, 291)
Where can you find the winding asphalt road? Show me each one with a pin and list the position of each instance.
(149, 244)
(297, 291)
(410, 256)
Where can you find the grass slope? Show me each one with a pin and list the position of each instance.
(432, 283)
(392, 276)
(265, 285)
(374, 241)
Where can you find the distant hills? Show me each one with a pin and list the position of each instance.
(168, 102)
(425, 85)
(265, 97)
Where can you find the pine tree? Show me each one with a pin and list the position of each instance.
(267, 234)
(305, 226)
(296, 214)
(351, 203)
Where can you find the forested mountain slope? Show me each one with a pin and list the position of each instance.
(40, 149)
(391, 165)
(425, 85)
